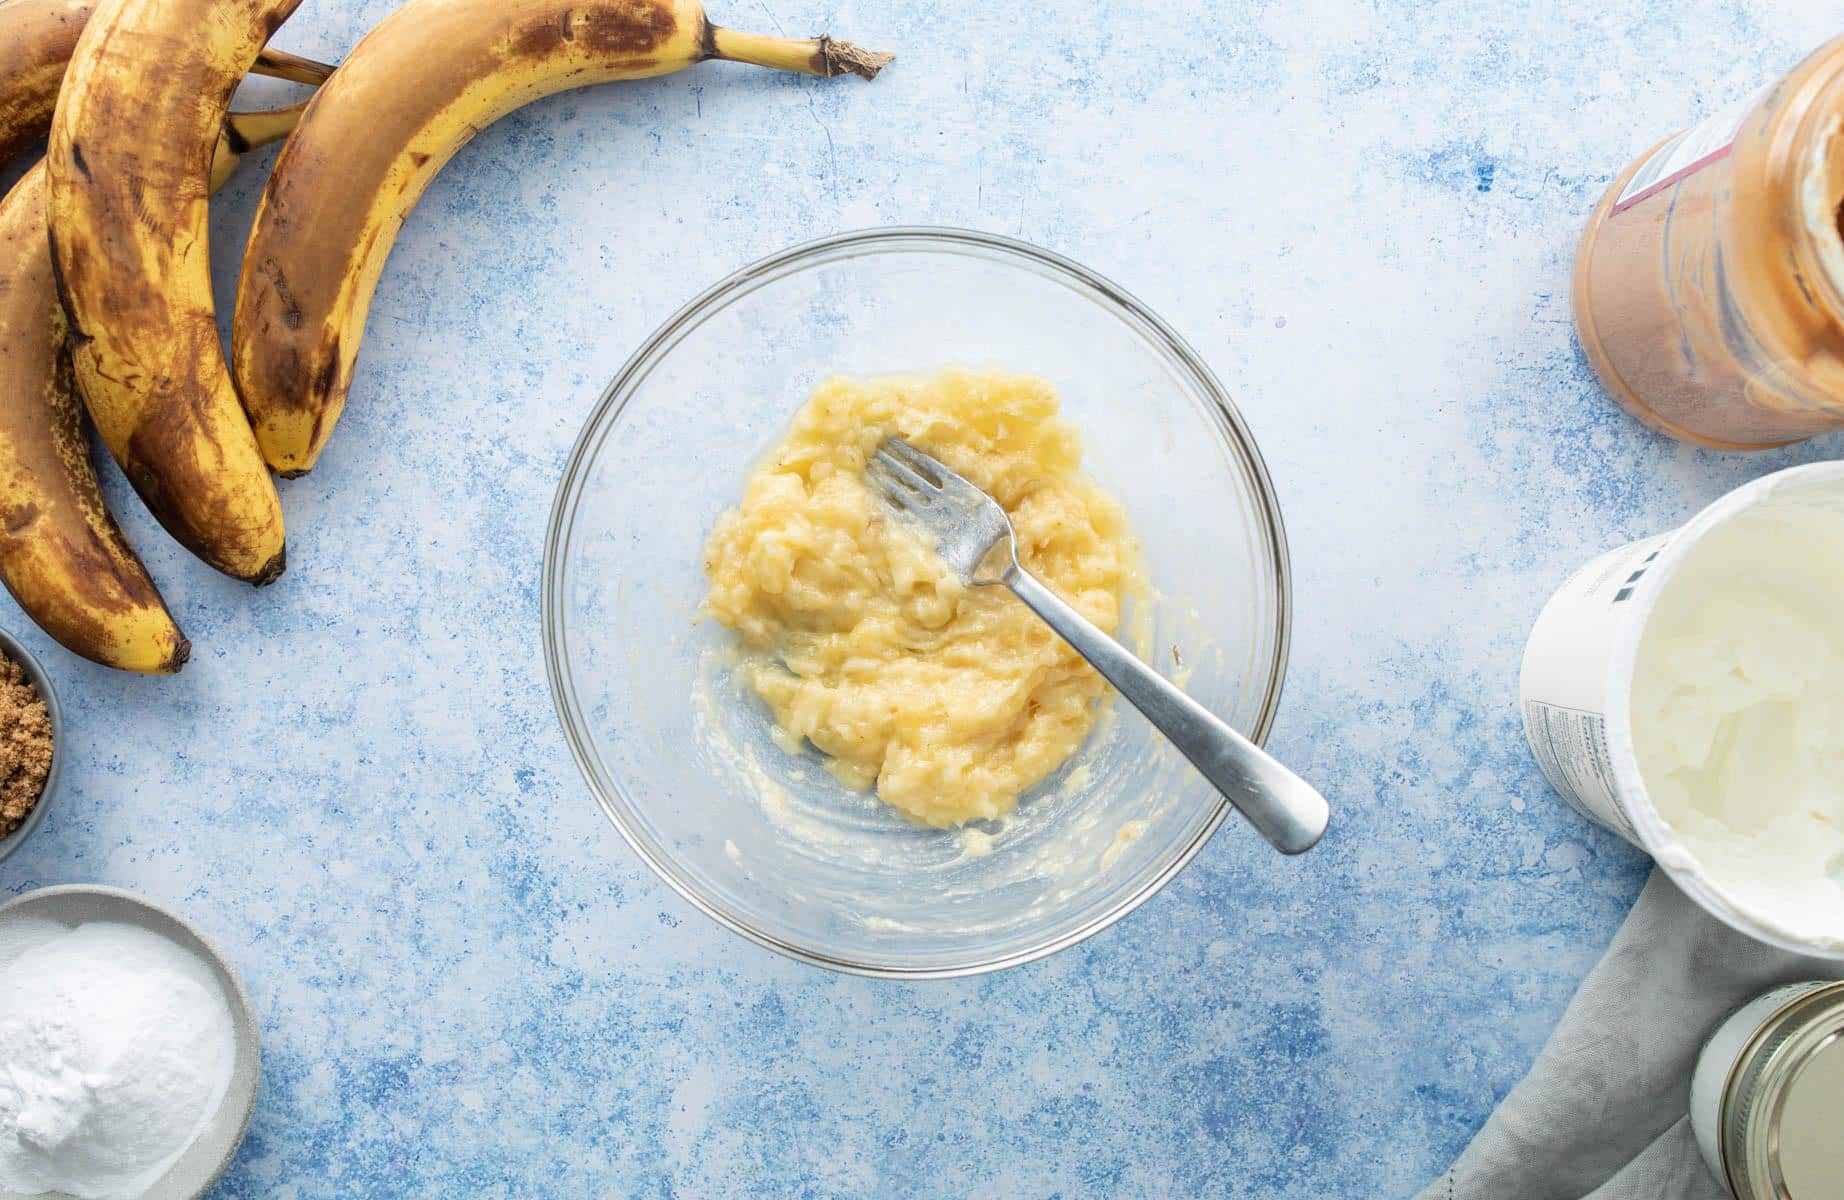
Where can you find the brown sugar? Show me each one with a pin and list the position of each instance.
(25, 745)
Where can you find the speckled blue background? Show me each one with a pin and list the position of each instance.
(1362, 215)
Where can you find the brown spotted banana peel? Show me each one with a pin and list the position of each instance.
(408, 96)
(36, 40)
(129, 164)
(62, 555)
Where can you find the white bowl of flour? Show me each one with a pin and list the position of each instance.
(129, 1063)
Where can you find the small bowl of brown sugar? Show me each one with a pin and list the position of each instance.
(29, 726)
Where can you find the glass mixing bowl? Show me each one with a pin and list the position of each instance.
(679, 753)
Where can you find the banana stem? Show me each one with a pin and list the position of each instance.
(810, 56)
(279, 64)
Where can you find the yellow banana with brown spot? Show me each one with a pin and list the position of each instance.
(62, 556)
(129, 163)
(419, 85)
(36, 40)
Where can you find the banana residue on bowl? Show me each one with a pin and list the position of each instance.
(1069, 827)
(1097, 814)
(950, 700)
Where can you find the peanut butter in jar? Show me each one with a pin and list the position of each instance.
(1709, 285)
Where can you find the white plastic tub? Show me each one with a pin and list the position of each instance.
(1576, 686)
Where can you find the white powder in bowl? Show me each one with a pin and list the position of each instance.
(116, 1047)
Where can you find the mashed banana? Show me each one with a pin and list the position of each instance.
(952, 700)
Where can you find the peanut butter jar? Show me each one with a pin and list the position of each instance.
(1709, 285)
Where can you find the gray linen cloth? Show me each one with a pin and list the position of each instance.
(1603, 1114)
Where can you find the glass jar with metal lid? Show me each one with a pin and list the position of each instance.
(1767, 1098)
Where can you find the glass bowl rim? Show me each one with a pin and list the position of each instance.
(837, 247)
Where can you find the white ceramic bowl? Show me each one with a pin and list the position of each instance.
(194, 1173)
(680, 757)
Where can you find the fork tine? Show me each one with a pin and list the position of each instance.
(918, 460)
(912, 478)
(888, 487)
(963, 522)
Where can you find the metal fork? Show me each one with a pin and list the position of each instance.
(969, 526)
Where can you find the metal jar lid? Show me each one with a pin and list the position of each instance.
(1781, 1109)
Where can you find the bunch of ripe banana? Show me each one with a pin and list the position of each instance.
(105, 286)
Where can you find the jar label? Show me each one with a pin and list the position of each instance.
(1570, 746)
(1697, 147)
(1564, 683)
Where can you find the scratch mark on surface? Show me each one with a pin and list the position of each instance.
(832, 157)
(772, 19)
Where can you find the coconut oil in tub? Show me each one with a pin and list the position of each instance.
(1738, 716)
(1687, 692)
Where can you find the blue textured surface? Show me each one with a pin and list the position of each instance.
(1362, 215)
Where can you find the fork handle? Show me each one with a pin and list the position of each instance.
(1284, 808)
